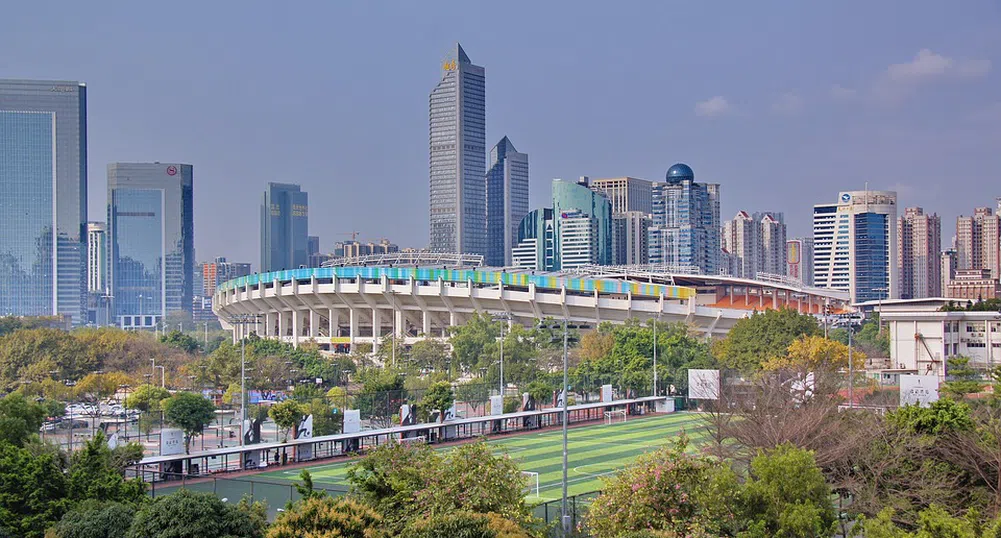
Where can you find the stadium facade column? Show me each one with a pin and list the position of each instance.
(352, 327)
(398, 323)
(281, 326)
(314, 323)
(333, 322)
(426, 322)
(296, 331)
(376, 329)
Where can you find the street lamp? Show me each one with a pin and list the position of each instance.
(243, 320)
(566, 415)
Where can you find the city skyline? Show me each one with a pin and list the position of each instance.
(791, 128)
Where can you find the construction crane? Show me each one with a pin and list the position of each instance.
(354, 235)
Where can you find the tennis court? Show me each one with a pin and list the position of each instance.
(594, 451)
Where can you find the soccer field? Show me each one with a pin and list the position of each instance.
(594, 451)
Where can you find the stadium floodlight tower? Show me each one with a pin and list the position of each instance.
(564, 508)
(243, 320)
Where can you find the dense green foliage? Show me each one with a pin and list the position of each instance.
(94, 519)
(763, 336)
(286, 415)
(20, 419)
(326, 517)
(189, 411)
(186, 514)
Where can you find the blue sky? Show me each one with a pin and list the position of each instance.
(783, 103)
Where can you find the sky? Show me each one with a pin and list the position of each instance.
(784, 103)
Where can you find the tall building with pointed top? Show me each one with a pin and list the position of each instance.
(507, 200)
(457, 138)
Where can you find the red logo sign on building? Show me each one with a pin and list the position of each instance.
(171, 170)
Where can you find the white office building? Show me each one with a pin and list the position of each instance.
(855, 245)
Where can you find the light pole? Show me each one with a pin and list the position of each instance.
(506, 318)
(163, 377)
(655, 322)
(206, 333)
(242, 320)
(566, 398)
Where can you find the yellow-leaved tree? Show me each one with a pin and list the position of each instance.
(815, 353)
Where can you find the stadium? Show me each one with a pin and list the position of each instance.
(413, 295)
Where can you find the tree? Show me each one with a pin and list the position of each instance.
(93, 474)
(327, 517)
(430, 355)
(787, 496)
(179, 340)
(32, 490)
(813, 353)
(146, 397)
(186, 514)
(763, 336)
(381, 394)
(667, 490)
(405, 483)
(20, 419)
(962, 379)
(472, 340)
(94, 519)
(451, 524)
(439, 397)
(286, 415)
(941, 416)
(189, 411)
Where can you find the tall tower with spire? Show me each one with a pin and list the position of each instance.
(507, 200)
(457, 139)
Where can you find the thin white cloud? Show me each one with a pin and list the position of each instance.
(788, 103)
(900, 80)
(712, 107)
(841, 93)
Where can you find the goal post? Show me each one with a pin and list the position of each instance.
(416, 440)
(532, 482)
(615, 416)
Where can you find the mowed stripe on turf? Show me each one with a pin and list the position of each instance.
(594, 451)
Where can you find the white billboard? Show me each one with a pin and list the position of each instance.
(304, 431)
(606, 393)
(496, 405)
(171, 442)
(352, 421)
(919, 390)
(703, 384)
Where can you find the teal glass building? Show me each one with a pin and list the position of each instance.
(284, 227)
(43, 198)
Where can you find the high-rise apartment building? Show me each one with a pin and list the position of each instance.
(948, 264)
(43, 198)
(685, 233)
(507, 200)
(457, 125)
(284, 228)
(97, 257)
(218, 271)
(919, 248)
(799, 260)
(151, 234)
(755, 243)
(630, 231)
(855, 242)
(570, 196)
(354, 249)
(978, 239)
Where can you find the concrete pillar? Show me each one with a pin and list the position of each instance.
(376, 329)
(352, 327)
(296, 330)
(281, 325)
(314, 323)
(426, 322)
(398, 328)
(332, 322)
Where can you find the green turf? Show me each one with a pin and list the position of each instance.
(594, 451)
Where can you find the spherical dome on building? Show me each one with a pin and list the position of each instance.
(680, 172)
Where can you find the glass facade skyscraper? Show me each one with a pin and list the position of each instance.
(284, 228)
(457, 139)
(43, 198)
(507, 200)
(151, 234)
(685, 233)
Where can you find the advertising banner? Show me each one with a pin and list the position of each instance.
(703, 384)
(497, 405)
(920, 390)
(606, 393)
(352, 421)
(304, 431)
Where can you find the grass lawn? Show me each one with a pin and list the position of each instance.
(594, 451)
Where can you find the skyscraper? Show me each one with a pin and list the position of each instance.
(773, 259)
(855, 241)
(97, 257)
(919, 248)
(507, 200)
(756, 243)
(978, 239)
(219, 271)
(152, 239)
(284, 228)
(686, 224)
(626, 193)
(630, 231)
(799, 260)
(948, 268)
(576, 231)
(457, 118)
(43, 198)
